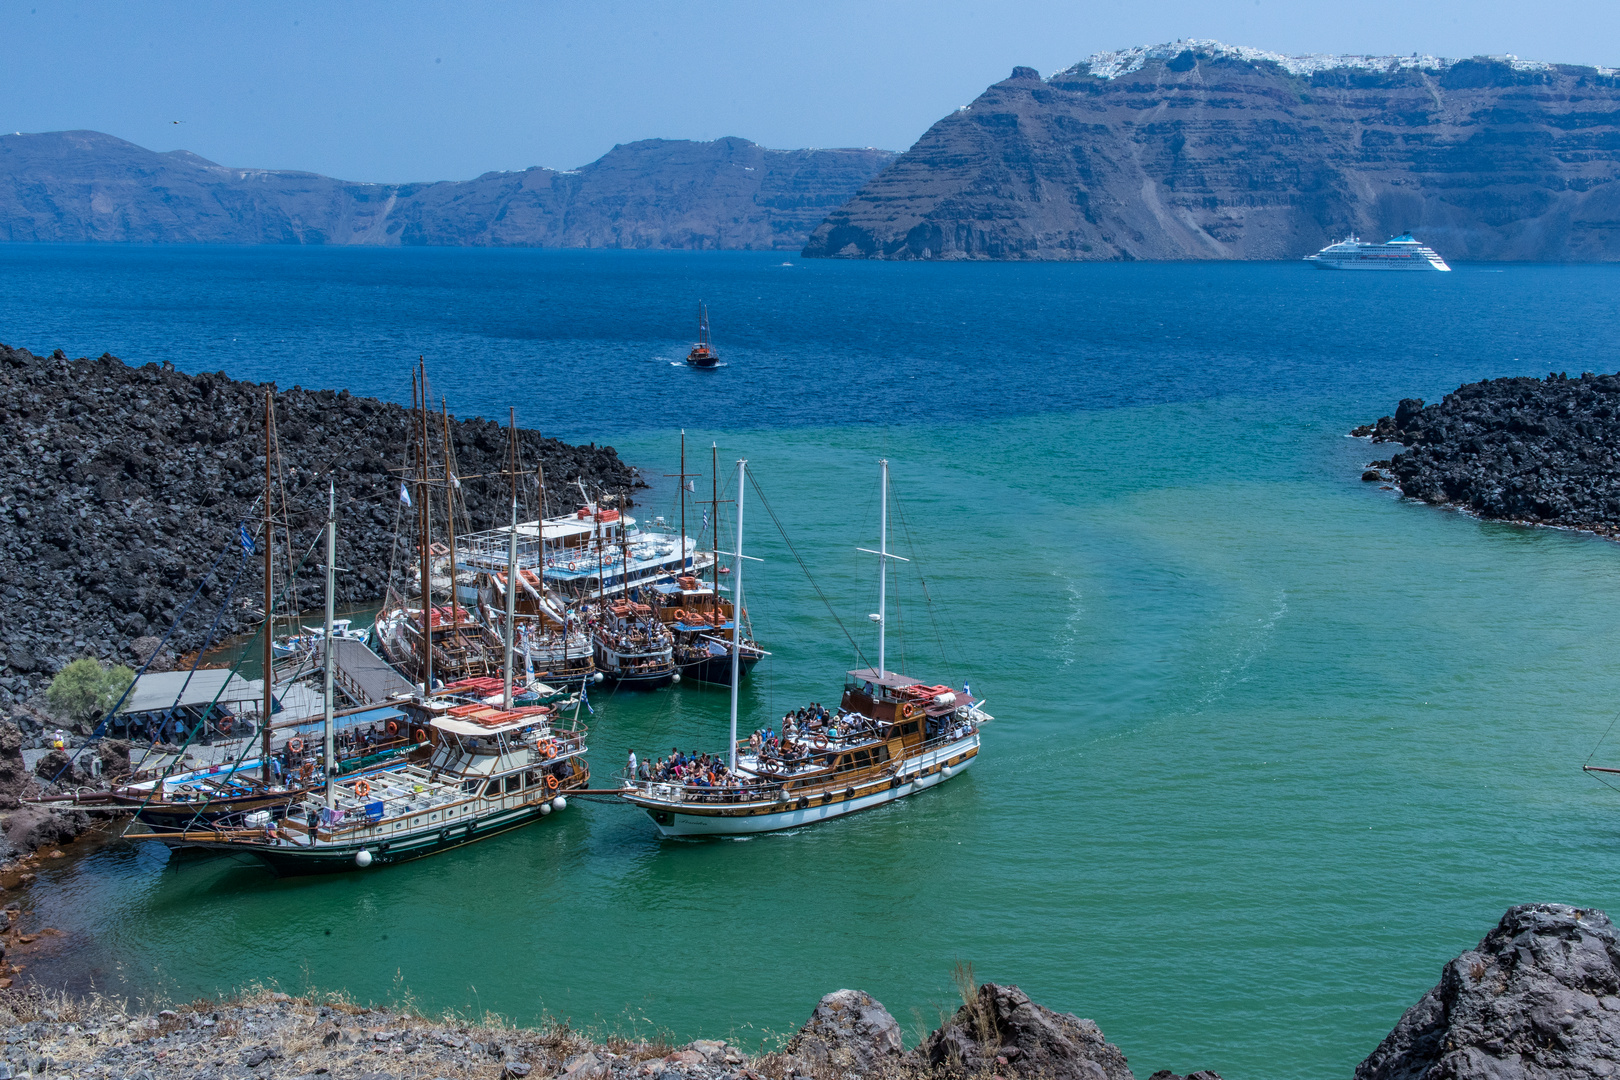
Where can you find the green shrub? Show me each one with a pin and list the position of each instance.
(84, 690)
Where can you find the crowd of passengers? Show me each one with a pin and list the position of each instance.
(799, 742)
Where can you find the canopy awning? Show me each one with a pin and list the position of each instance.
(882, 678)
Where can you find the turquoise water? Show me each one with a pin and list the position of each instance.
(1272, 745)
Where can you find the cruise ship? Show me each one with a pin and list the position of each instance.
(1398, 253)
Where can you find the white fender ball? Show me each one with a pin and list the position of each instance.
(947, 770)
(598, 677)
(362, 858)
(675, 678)
(545, 808)
(559, 803)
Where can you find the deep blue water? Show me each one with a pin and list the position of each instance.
(1272, 744)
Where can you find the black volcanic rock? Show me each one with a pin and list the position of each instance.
(121, 486)
(1003, 1032)
(1533, 450)
(1538, 997)
(85, 186)
(1204, 151)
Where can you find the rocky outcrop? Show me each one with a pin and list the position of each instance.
(1004, 1033)
(1538, 997)
(121, 486)
(1198, 150)
(848, 1035)
(82, 186)
(1539, 451)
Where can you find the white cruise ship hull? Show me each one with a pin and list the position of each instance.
(677, 818)
(1391, 264)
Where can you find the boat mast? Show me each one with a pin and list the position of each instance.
(511, 573)
(269, 596)
(425, 526)
(329, 768)
(450, 521)
(683, 500)
(736, 616)
(883, 563)
(714, 526)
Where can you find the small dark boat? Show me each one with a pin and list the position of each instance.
(702, 355)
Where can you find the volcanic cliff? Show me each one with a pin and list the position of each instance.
(83, 186)
(1198, 150)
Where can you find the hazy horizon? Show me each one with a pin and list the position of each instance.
(406, 92)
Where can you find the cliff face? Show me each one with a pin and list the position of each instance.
(83, 186)
(1198, 150)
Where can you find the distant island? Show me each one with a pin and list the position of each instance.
(84, 186)
(1199, 150)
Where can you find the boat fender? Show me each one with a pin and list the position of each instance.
(551, 783)
(545, 808)
(895, 782)
(947, 770)
(361, 789)
(821, 741)
(849, 793)
(804, 801)
(295, 744)
(444, 836)
(559, 803)
(675, 678)
(393, 727)
(826, 797)
(362, 858)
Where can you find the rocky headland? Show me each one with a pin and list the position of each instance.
(84, 186)
(1537, 451)
(1539, 997)
(120, 486)
(1199, 150)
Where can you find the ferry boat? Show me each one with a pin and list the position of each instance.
(632, 647)
(308, 641)
(701, 622)
(1397, 253)
(702, 355)
(893, 736)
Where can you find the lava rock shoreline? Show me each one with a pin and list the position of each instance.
(1533, 451)
(120, 486)
(1538, 997)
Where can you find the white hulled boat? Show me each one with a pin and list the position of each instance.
(1397, 253)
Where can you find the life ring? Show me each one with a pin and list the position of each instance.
(551, 782)
(571, 566)
(680, 615)
(295, 744)
(223, 725)
(361, 789)
(549, 748)
(419, 735)
(821, 740)
(910, 711)
(393, 727)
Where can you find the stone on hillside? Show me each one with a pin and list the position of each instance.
(1005, 1033)
(848, 1034)
(1538, 997)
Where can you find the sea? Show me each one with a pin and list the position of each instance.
(1271, 744)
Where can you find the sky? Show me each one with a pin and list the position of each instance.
(406, 90)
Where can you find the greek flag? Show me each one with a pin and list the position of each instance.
(244, 539)
(705, 519)
(404, 494)
(585, 698)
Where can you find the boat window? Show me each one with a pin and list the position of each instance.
(880, 754)
(909, 728)
(493, 790)
(846, 763)
(862, 759)
(514, 782)
(531, 778)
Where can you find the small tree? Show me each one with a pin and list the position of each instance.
(84, 690)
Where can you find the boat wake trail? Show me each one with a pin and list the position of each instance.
(1066, 637)
(1250, 644)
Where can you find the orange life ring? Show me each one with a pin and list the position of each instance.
(821, 740)
(549, 748)
(910, 711)
(551, 782)
(419, 735)
(361, 789)
(393, 727)
(295, 744)
(571, 566)
(680, 615)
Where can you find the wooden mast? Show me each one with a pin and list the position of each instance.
(424, 533)
(736, 616)
(511, 568)
(714, 526)
(269, 596)
(329, 761)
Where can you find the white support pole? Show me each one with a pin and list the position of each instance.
(329, 766)
(511, 607)
(736, 615)
(883, 565)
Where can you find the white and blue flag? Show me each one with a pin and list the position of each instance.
(244, 538)
(404, 494)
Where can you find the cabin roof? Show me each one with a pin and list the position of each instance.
(158, 690)
(471, 728)
(882, 678)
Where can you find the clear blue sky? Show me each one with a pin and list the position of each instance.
(416, 91)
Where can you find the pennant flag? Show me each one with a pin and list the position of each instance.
(585, 698)
(691, 485)
(404, 495)
(244, 539)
